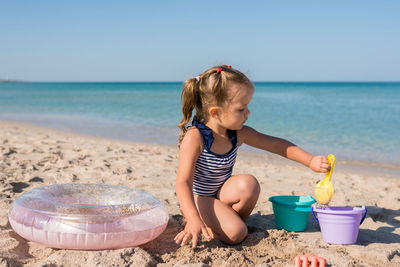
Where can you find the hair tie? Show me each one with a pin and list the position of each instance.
(197, 78)
(219, 70)
(229, 67)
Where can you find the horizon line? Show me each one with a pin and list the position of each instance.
(254, 81)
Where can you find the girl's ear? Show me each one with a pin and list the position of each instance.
(214, 112)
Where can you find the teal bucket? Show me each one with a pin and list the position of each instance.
(291, 212)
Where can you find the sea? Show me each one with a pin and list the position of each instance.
(357, 121)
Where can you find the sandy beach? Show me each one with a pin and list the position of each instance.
(33, 156)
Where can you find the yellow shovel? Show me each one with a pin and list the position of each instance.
(324, 189)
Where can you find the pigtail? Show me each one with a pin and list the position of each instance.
(190, 100)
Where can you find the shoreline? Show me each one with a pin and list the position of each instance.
(33, 156)
(365, 167)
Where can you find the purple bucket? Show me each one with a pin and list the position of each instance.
(339, 225)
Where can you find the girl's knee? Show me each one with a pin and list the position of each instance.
(236, 234)
(249, 184)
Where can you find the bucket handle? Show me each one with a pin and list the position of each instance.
(362, 220)
(365, 215)
(315, 217)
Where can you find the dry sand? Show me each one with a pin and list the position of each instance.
(32, 156)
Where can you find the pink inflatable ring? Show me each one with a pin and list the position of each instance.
(88, 216)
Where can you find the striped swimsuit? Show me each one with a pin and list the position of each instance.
(212, 170)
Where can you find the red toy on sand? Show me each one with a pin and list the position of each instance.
(304, 260)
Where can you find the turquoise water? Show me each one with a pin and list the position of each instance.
(354, 121)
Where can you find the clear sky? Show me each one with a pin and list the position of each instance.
(173, 40)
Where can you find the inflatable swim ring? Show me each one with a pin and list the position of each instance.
(88, 216)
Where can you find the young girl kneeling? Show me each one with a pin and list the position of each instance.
(213, 202)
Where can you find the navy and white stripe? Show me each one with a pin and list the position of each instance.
(212, 170)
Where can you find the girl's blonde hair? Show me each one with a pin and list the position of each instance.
(207, 89)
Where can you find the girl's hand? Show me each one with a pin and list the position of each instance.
(320, 164)
(192, 230)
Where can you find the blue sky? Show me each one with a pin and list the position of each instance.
(174, 40)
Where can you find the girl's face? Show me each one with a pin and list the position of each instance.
(235, 113)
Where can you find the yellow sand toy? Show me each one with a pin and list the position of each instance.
(324, 189)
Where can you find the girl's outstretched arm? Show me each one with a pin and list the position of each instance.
(282, 147)
(190, 150)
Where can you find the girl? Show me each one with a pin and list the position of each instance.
(213, 202)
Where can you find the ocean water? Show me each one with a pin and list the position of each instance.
(354, 121)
